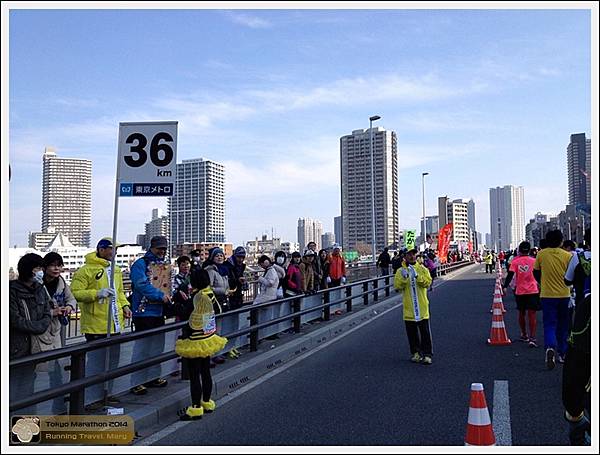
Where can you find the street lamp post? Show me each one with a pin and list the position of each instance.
(373, 244)
(424, 231)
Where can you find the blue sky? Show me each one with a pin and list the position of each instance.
(478, 98)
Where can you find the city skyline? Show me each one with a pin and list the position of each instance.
(478, 99)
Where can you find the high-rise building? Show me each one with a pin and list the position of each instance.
(67, 197)
(327, 240)
(309, 230)
(471, 215)
(159, 225)
(432, 224)
(337, 231)
(197, 209)
(579, 154)
(356, 197)
(455, 212)
(507, 217)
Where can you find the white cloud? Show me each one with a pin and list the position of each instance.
(249, 20)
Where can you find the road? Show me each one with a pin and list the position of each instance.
(363, 390)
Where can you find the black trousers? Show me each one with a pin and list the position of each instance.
(576, 378)
(200, 379)
(489, 267)
(420, 344)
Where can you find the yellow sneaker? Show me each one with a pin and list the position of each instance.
(191, 413)
(416, 357)
(208, 406)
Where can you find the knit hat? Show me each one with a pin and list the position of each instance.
(309, 252)
(214, 252)
(240, 251)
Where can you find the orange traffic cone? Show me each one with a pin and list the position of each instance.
(498, 299)
(498, 336)
(479, 425)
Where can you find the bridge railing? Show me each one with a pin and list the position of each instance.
(244, 326)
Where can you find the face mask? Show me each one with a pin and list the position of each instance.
(280, 260)
(39, 276)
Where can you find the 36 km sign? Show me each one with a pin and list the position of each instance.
(147, 158)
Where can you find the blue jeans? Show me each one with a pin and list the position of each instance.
(556, 323)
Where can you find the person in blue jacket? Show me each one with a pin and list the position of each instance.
(147, 305)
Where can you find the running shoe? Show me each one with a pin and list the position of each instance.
(550, 363)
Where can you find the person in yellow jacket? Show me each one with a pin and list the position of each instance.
(91, 288)
(489, 259)
(413, 280)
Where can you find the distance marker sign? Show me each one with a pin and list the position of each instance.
(147, 159)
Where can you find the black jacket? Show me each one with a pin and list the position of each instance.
(384, 260)
(38, 304)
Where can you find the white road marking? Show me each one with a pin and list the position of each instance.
(172, 428)
(501, 417)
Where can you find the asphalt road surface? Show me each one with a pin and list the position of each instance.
(363, 390)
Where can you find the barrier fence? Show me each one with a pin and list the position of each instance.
(75, 373)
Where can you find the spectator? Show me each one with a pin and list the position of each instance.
(293, 276)
(323, 261)
(91, 288)
(29, 314)
(527, 292)
(307, 270)
(269, 282)
(235, 271)
(181, 290)
(550, 267)
(413, 279)
(430, 263)
(219, 277)
(280, 258)
(316, 265)
(61, 298)
(337, 268)
(397, 260)
(150, 295)
(383, 262)
(62, 303)
(196, 259)
(198, 342)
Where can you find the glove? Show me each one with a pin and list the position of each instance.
(404, 272)
(343, 280)
(105, 292)
(328, 280)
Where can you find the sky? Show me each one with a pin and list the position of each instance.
(478, 98)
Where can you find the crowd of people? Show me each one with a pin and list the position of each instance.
(554, 279)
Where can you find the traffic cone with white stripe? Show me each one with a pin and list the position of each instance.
(498, 299)
(498, 336)
(479, 425)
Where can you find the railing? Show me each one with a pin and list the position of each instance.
(77, 353)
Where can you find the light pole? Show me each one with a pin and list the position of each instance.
(373, 245)
(424, 231)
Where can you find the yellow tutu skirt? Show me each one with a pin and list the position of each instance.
(192, 349)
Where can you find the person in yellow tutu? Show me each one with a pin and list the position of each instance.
(199, 340)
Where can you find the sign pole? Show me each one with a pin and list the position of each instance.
(113, 264)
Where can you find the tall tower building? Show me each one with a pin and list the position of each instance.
(337, 231)
(457, 213)
(309, 230)
(355, 159)
(471, 215)
(159, 225)
(507, 217)
(579, 155)
(197, 209)
(67, 197)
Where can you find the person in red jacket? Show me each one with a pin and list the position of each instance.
(293, 276)
(337, 268)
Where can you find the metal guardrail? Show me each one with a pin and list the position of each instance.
(78, 382)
